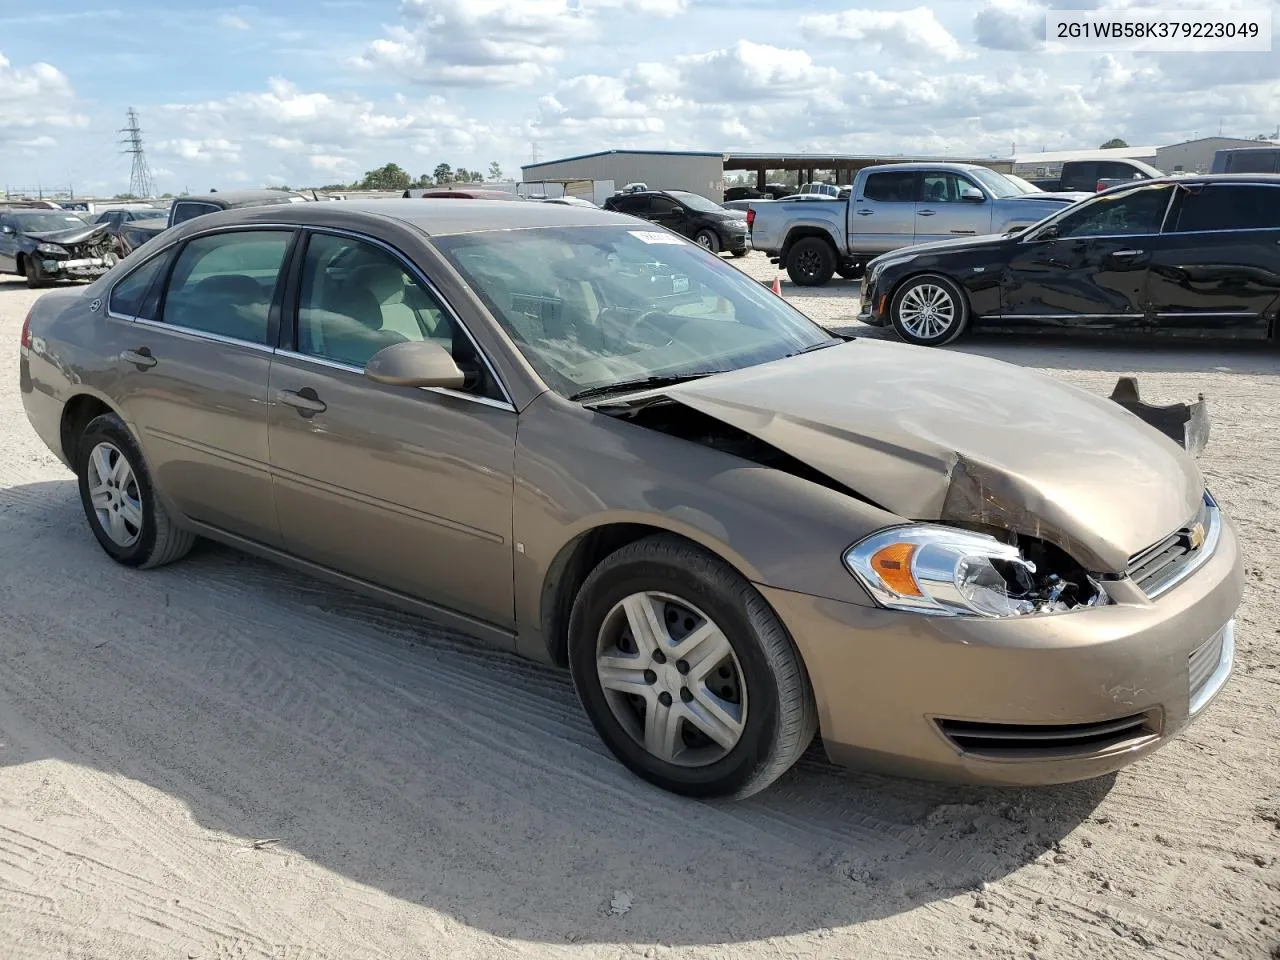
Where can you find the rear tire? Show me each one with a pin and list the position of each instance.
(741, 253)
(929, 311)
(119, 498)
(743, 680)
(850, 271)
(811, 262)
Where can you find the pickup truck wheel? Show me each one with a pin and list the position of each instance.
(850, 271)
(929, 311)
(708, 240)
(811, 262)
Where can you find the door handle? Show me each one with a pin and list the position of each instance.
(925, 213)
(305, 401)
(140, 358)
(1127, 253)
(865, 213)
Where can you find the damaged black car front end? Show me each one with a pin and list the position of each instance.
(41, 247)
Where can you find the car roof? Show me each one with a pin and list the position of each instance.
(235, 197)
(1272, 179)
(919, 165)
(433, 216)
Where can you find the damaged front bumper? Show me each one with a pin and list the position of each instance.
(79, 268)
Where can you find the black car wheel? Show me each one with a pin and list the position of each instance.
(686, 672)
(929, 311)
(811, 262)
(36, 277)
(850, 271)
(741, 253)
(708, 240)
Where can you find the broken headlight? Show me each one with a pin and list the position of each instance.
(946, 571)
(51, 248)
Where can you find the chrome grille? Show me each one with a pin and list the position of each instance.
(1037, 741)
(1164, 564)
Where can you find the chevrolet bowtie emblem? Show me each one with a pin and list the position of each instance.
(1197, 536)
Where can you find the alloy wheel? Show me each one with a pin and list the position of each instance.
(113, 491)
(927, 311)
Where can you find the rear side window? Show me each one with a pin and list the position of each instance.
(891, 187)
(130, 296)
(190, 210)
(1254, 161)
(224, 284)
(632, 205)
(1230, 207)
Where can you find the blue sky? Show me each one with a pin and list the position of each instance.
(319, 92)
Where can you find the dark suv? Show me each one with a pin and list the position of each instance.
(701, 220)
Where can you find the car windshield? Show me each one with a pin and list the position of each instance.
(594, 306)
(1024, 186)
(695, 202)
(46, 221)
(997, 183)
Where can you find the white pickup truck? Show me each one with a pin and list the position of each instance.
(892, 205)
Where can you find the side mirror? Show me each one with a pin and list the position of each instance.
(415, 363)
(1048, 233)
(972, 195)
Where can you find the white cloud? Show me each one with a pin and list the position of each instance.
(327, 163)
(231, 22)
(209, 150)
(915, 34)
(35, 97)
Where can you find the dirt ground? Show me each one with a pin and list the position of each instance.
(224, 760)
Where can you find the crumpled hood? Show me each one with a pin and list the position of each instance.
(932, 435)
(74, 235)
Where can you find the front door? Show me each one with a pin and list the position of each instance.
(884, 214)
(408, 488)
(194, 374)
(942, 214)
(668, 213)
(8, 244)
(1217, 268)
(1088, 268)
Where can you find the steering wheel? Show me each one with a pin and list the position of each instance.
(653, 320)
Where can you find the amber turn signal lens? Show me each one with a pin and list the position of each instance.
(893, 565)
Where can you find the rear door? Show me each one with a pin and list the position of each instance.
(942, 215)
(884, 212)
(1093, 271)
(1216, 270)
(194, 366)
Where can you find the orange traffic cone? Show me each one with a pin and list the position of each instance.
(777, 286)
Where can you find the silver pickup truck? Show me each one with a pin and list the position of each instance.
(892, 205)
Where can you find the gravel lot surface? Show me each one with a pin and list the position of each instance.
(222, 759)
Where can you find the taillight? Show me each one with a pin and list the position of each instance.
(751, 216)
(26, 329)
(1099, 186)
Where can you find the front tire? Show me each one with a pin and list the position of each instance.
(741, 253)
(850, 271)
(811, 261)
(35, 274)
(708, 240)
(929, 311)
(119, 499)
(686, 673)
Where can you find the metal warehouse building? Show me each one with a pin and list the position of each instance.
(1196, 156)
(701, 173)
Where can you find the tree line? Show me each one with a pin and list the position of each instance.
(392, 176)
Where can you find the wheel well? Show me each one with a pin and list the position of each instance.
(75, 417)
(801, 233)
(570, 569)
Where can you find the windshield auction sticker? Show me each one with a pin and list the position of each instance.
(1152, 30)
(654, 236)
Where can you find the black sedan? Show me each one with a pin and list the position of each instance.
(688, 214)
(49, 245)
(1185, 256)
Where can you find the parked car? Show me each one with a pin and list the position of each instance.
(116, 218)
(892, 205)
(1084, 175)
(462, 193)
(771, 191)
(1029, 189)
(1247, 160)
(138, 232)
(1187, 256)
(703, 221)
(50, 245)
(600, 446)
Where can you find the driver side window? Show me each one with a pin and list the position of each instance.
(1136, 212)
(357, 298)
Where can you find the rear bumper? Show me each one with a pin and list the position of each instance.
(1024, 701)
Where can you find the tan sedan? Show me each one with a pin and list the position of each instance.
(582, 438)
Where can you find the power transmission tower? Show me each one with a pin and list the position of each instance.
(140, 184)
